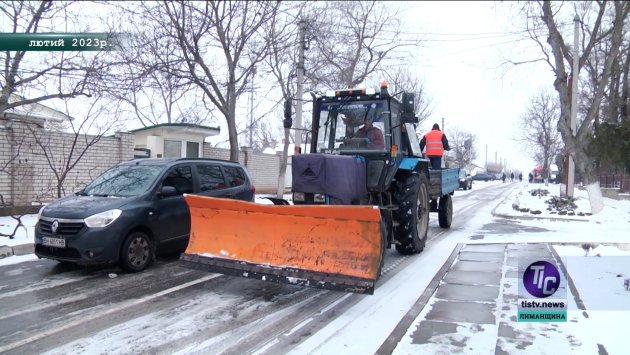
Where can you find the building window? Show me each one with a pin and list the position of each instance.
(172, 149)
(192, 150)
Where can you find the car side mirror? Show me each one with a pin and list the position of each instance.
(168, 191)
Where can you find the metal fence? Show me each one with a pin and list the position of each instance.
(615, 181)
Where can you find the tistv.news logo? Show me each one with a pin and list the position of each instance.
(541, 279)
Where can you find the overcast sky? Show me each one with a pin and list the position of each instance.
(460, 63)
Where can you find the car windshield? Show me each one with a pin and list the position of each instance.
(124, 181)
(352, 126)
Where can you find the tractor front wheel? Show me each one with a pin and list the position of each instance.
(412, 216)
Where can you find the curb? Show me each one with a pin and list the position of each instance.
(16, 250)
(553, 219)
(390, 343)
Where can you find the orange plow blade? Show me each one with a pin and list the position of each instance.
(332, 247)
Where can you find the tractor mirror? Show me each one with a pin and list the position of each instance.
(408, 108)
(288, 121)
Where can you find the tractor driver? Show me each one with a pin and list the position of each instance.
(373, 136)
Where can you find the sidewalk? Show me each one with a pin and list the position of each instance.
(474, 309)
(472, 306)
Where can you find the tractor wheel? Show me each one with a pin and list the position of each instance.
(412, 216)
(136, 252)
(445, 211)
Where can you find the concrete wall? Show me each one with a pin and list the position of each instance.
(29, 177)
(32, 175)
(263, 168)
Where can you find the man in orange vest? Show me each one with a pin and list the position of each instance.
(436, 144)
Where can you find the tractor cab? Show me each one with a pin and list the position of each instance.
(360, 122)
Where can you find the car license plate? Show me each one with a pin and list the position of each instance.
(54, 242)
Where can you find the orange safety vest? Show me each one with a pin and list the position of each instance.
(434, 143)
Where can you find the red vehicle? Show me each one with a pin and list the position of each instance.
(537, 173)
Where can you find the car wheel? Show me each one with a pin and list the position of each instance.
(136, 252)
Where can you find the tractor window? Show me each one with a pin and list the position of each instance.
(359, 125)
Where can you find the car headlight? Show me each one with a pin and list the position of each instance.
(39, 214)
(102, 219)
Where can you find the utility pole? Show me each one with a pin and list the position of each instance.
(300, 80)
(574, 102)
(486, 157)
(442, 124)
(251, 111)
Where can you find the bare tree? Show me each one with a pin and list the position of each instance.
(600, 22)
(352, 40)
(281, 64)
(463, 147)
(540, 137)
(5, 168)
(220, 43)
(152, 76)
(577, 144)
(401, 79)
(35, 77)
(62, 157)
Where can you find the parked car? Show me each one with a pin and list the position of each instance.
(134, 211)
(465, 180)
(483, 177)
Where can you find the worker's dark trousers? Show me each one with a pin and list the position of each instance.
(436, 162)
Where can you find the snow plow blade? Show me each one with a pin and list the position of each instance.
(330, 247)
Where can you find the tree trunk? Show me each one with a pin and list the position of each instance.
(231, 121)
(283, 165)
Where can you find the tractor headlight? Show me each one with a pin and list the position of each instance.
(102, 219)
(298, 196)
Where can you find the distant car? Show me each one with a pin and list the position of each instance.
(134, 211)
(483, 177)
(465, 180)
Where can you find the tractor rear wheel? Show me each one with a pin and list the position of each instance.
(412, 216)
(445, 211)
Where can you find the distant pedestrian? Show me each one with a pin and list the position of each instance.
(512, 177)
(503, 177)
(520, 177)
(436, 144)
(531, 177)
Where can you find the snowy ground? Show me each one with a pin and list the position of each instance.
(598, 277)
